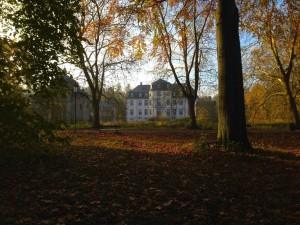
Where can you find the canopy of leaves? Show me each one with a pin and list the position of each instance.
(276, 25)
(19, 128)
(38, 34)
(45, 31)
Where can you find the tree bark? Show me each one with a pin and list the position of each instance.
(95, 105)
(192, 114)
(292, 106)
(231, 108)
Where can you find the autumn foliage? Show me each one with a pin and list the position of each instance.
(275, 59)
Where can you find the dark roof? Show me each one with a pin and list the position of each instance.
(71, 82)
(160, 85)
(141, 88)
(140, 91)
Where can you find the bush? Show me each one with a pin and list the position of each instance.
(271, 126)
(20, 128)
(207, 124)
(158, 118)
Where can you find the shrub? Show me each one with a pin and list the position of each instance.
(20, 128)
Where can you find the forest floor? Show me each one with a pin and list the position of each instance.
(154, 177)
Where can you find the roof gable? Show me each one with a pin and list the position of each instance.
(160, 85)
(140, 91)
(141, 88)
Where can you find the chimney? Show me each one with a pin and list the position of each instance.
(141, 83)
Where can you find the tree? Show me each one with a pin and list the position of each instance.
(276, 24)
(266, 104)
(231, 108)
(100, 49)
(270, 103)
(232, 121)
(115, 97)
(29, 57)
(44, 38)
(179, 42)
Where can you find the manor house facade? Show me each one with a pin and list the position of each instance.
(63, 107)
(160, 99)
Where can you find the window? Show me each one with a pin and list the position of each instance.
(168, 101)
(174, 112)
(158, 103)
(146, 94)
(131, 112)
(146, 102)
(131, 94)
(158, 112)
(140, 112)
(180, 112)
(131, 102)
(180, 102)
(150, 112)
(140, 102)
(146, 112)
(150, 102)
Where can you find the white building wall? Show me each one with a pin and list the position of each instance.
(138, 110)
(168, 108)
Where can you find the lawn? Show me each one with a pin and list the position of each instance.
(154, 177)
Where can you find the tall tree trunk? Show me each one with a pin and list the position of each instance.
(293, 106)
(231, 108)
(192, 114)
(95, 105)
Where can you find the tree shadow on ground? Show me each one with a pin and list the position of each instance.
(90, 185)
(281, 155)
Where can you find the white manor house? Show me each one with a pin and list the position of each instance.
(160, 99)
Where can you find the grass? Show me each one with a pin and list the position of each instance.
(160, 123)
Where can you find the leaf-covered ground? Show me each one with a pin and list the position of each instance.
(155, 177)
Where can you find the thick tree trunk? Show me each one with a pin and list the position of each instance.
(95, 105)
(293, 106)
(231, 108)
(192, 114)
